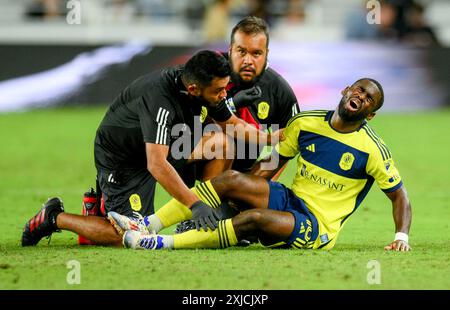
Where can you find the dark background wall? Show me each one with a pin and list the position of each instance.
(21, 60)
(438, 59)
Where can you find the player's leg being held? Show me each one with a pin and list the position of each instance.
(285, 223)
(247, 190)
(270, 226)
(171, 213)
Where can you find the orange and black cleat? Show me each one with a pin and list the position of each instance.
(43, 223)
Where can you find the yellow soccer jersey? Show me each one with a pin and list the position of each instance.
(335, 171)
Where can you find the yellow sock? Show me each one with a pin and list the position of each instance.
(174, 211)
(224, 236)
(206, 192)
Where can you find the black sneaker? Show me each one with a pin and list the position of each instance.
(184, 226)
(247, 241)
(224, 211)
(43, 223)
(243, 243)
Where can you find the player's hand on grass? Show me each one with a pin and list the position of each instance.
(204, 216)
(246, 97)
(398, 245)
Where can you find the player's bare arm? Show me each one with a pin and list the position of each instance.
(259, 169)
(247, 131)
(166, 175)
(402, 217)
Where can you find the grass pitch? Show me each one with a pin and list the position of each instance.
(50, 152)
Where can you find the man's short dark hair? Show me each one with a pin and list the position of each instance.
(251, 25)
(380, 88)
(204, 66)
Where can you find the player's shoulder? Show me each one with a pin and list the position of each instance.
(272, 74)
(158, 89)
(275, 81)
(161, 77)
(316, 115)
(142, 82)
(145, 85)
(375, 142)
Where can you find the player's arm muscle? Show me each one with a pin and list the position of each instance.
(401, 209)
(166, 175)
(243, 129)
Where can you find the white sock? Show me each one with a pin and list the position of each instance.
(153, 223)
(167, 241)
(141, 241)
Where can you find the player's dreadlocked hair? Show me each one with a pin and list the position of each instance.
(251, 25)
(380, 88)
(204, 66)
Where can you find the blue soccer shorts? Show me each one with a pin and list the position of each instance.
(306, 228)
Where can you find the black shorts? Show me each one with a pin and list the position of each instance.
(128, 191)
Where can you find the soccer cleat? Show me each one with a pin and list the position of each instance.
(43, 223)
(244, 243)
(185, 226)
(140, 241)
(249, 240)
(224, 211)
(123, 223)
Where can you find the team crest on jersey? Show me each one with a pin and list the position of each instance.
(135, 202)
(347, 160)
(203, 114)
(263, 110)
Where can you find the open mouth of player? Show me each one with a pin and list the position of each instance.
(354, 104)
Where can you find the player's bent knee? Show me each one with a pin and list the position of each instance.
(251, 223)
(227, 178)
(223, 144)
(230, 184)
(254, 217)
(224, 140)
(246, 223)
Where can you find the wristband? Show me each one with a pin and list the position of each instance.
(401, 236)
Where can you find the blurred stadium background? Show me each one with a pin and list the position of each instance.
(319, 46)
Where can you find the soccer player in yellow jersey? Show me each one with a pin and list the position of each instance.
(339, 158)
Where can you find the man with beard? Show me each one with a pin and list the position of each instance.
(132, 149)
(339, 158)
(256, 92)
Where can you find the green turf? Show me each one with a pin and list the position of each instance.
(49, 152)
